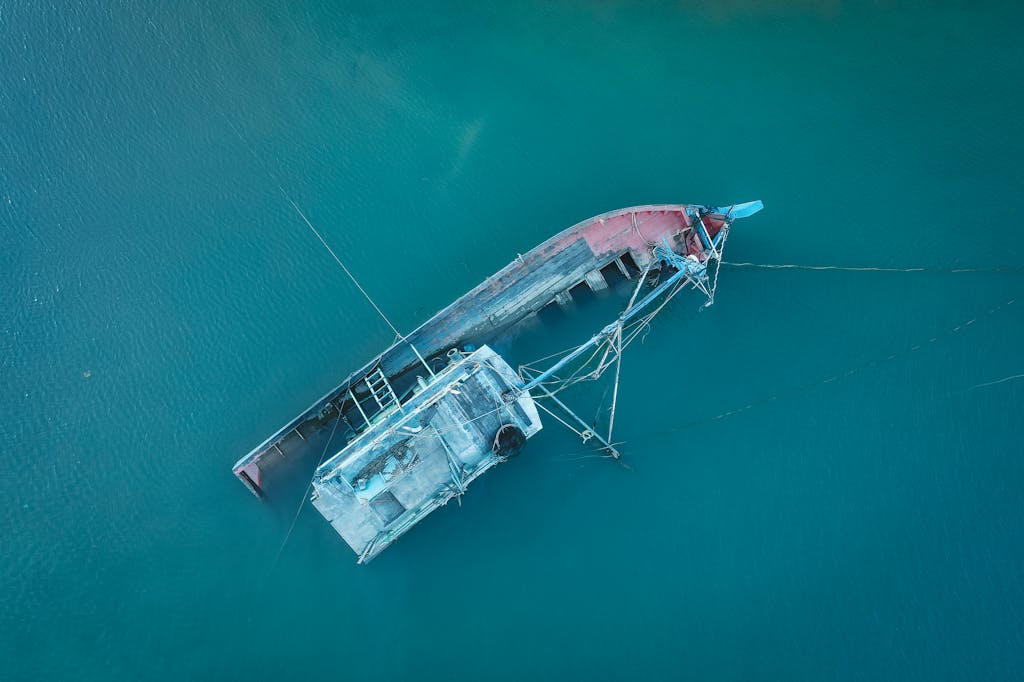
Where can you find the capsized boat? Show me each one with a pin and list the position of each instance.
(439, 407)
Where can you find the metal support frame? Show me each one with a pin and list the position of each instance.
(687, 269)
(586, 429)
(366, 420)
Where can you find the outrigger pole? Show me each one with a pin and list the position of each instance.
(687, 269)
(586, 433)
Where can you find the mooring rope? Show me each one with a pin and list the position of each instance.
(340, 263)
(789, 266)
(305, 495)
(997, 381)
(273, 177)
(810, 385)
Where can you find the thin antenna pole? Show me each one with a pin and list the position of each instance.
(354, 280)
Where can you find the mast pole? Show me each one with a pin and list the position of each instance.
(615, 390)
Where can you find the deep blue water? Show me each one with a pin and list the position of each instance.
(856, 514)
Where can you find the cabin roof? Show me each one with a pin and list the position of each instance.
(416, 458)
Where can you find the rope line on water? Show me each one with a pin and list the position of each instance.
(305, 496)
(998, 381)
(273, 177)
(339, 262)
(810, 385)
(790, 266)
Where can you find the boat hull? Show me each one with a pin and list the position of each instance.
(620, 239)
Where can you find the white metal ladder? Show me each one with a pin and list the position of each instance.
(380, 389)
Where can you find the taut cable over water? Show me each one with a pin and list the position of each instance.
(788, 266)
(355, 281)
(810, 385)
(302, 502)
(400, 336)
(997, 381)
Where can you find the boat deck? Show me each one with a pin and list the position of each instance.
(419, 456)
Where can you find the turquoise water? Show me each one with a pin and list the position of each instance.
(163, 309)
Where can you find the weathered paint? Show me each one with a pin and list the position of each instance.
(518, 290)
(413, 461)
